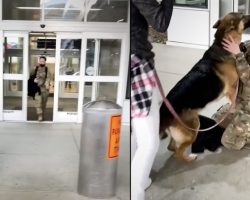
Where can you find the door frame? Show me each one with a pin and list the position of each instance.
(121, 79)
(16, 115)
(57, 115)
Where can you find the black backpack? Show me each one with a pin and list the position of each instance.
(33, 88)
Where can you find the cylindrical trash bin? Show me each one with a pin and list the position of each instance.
(99, 149)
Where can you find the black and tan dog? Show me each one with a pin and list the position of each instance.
(214, 76)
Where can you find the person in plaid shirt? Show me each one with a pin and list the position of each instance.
(145, 96)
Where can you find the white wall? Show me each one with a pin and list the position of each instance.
(189, 26)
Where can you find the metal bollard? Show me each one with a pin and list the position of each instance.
(99, 149)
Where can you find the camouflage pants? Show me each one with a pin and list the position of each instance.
(41, 100)
(237, 129)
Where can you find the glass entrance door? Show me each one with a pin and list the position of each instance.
(15, 54)
(42, 44)
(89, 67)
(67, 77)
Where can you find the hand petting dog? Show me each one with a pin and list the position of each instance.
(231, 46)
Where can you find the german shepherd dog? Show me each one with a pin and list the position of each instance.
(214, 76)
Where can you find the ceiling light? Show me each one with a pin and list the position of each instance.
(39, 8)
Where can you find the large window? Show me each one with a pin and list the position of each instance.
(66, 10)
(192, 3)
(244, 6)
(21, 10)
(103, 57)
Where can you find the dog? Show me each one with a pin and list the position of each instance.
(212, 77)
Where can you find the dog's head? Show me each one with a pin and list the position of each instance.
(232, 24)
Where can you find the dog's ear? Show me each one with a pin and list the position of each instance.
(216, 25)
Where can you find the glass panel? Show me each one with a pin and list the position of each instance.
(87, 92)
(21, 10)
(108, 11)
(93, 10)
(70, 56)
(66, 10)
(106, 91)
(13, 55)
(244, 6)
(12, 99)
(192, 3)
(102, 91)
(68, 96)
(103, 57)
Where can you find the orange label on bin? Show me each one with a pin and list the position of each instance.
(114, 136)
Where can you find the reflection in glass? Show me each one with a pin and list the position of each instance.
(109, 11)
(244, 6)
(12, 99)
(68, 96)
(106, 91)
(21, 10)
(13, 55)
(89, 10)
(103, 57)
(87, 92)
(67, 10)
(70, 56)
(192, 3)
(100, 91)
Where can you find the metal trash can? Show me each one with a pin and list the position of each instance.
(100, 138)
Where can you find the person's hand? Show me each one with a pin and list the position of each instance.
(231, 46)
(47, 87)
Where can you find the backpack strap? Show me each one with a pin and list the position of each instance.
(46, 72)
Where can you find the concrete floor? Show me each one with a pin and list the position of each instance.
(218, 176)
(39, 161)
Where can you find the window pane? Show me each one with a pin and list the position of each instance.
(12, 99)
(106, 91)
(103, 57)
(93, 10)
(21, 10)
(65, 10)
(243, 6)
(100, 91)
(87, 92)
(68, 96)
(108, 11)
(70, 57)
(192, 3)
(13, 55)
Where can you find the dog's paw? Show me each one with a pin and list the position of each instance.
(191, 157)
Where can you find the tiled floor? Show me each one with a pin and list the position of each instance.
(40, 161)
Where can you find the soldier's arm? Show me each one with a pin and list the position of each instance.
(243, 67)
(48, 78)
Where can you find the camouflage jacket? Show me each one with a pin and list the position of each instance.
(41, 78)
(237, 126)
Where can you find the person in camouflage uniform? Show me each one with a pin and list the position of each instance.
(237, 124)
(43, 81)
